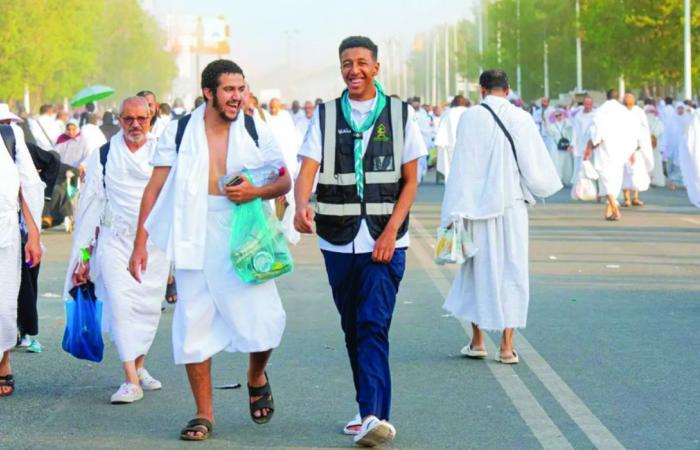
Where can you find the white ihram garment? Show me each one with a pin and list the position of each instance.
(288, 140)
(675, 133)
(563, 159)
(215, 310)
(445, 139)
(690, 160)
(612, 131)
(656, 128)
(131, 310)
(636, 176)
(581, 132)
(492, 288)
(14, 174)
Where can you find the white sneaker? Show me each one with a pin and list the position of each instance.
(25, 342)
(375, 432)
(127, 393)
(148, 383)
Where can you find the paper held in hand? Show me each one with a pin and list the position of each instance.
(454, 244)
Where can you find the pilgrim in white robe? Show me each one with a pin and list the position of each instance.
(559, 128)
(690, 160)
(612, 133)
(93, 137)
(656, 128)
(675, 133)
(581, 135)
(285, 133)
(14, 175)
(636, 174)
(445, 138)
(131, 310)
(159, 125)
(492, 288)
(215, 310)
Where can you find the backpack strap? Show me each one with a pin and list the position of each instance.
(104, 151)
(250, 128)
(184, 120)
(8, 136)
(181, 125)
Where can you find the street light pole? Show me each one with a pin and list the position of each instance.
(686, 47)
(518, 74)
(546, 70)
(579, 67)
(480, 24)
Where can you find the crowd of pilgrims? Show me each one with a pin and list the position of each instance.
(659, 126)
(60, 144)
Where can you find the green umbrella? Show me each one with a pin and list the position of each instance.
(91, 94)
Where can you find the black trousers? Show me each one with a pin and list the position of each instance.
(27, 314)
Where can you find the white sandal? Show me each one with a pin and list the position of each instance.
(510, 360)
(354, 423)
(469, 352)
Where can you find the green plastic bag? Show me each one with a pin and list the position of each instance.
(259, 251)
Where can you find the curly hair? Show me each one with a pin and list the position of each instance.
(211, 73)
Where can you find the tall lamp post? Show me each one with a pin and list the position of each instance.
(579, 69)
(686, 47)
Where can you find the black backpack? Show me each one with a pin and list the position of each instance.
(8, 137)
(181, 125)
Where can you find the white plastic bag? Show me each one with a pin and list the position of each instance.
(584, 189)
(454, 244)
(588, 170)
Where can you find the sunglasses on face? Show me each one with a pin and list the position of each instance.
(130, 119)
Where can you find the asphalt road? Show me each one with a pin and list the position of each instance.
(609, 358)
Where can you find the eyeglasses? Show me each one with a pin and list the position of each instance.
(129, 119)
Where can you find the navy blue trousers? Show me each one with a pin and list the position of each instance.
(365, 295)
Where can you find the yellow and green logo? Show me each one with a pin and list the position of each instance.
(381, 134)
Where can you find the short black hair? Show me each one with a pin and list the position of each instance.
(611, 94)
(145, 93)
(669, 100)
(43, 109)
(493, 79)
(648, 101)
(359, 41)
(211, 73)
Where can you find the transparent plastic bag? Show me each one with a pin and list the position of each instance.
(258, 247)
(454, 244)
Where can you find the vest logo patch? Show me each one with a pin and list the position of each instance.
(381, 135)
(344, 131)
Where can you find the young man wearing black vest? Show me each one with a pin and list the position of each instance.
(365, 148)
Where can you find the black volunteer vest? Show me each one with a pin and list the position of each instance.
(339, 210)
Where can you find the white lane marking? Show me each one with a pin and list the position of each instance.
(589, 424)
(691, 220)
(536, 418)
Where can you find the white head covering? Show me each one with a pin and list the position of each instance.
(6, 114)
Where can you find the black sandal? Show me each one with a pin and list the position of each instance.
(196, 425)
(264, 402)
(171, 292)
(7, 381)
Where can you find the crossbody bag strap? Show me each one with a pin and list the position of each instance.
(508, 136)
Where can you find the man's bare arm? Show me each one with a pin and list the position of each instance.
(304, 216)
(246, 192)
(386, 244)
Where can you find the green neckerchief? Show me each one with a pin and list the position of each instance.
(358, 130)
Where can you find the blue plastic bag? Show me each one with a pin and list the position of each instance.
(83, 335)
